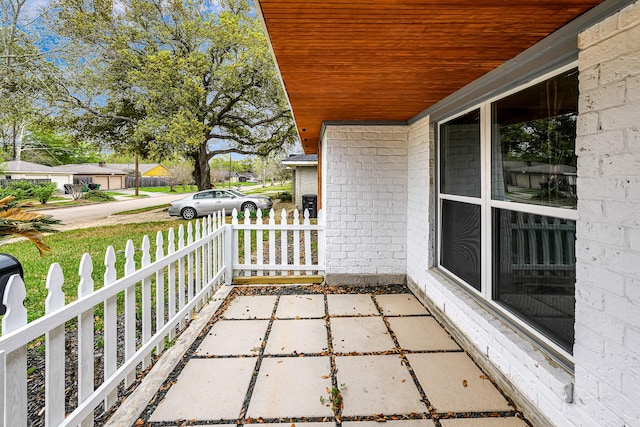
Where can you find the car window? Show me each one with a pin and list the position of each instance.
(223, 194)
(238, 193)
(205, 195)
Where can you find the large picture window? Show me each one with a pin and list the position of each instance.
(507, 200)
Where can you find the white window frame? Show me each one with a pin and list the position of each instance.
(487, 204)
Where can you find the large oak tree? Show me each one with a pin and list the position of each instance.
(167, 78)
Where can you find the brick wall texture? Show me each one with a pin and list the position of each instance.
(607, 348)
(365, 199)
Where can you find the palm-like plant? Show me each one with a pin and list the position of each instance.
(15, 221)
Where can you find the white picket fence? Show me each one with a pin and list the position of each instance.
(260, 241)
(183, 277)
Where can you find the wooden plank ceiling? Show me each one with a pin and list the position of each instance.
(387, 60)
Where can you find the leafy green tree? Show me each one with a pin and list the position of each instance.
(46, 145)
(26, 77)
(172, 79)
(546, 140)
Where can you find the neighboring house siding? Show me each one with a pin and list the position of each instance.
(158, 171)
(306, 182)
(365, 201)
(607, 350)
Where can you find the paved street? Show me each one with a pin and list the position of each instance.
(71, 217)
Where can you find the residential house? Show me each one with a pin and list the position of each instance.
(144, 169)
(305, 175)
(415, 110)
(18, 169)
(109, 179)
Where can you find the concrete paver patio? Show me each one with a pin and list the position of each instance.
(322, 357)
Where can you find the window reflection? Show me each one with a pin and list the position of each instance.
(535, 270)
(533, 150)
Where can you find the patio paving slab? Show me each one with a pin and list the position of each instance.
(291, 387)
(234, 337)
(484, 422)
(375, 385)
(203, 381)
(300, 306)
(360, 334)
(351, 305)
(400, 305)
(297, 336)
(453, 383)
(389, 423)
(288, 424)
(251, 307)
(235, 377)
(421, 333)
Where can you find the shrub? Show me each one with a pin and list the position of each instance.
(44, 192)
(97, 196)
(17, 194)
(285, 197)
(20, 190)
(21, 185)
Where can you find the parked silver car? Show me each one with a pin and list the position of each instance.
(209, 201)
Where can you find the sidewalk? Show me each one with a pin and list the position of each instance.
(318, 357)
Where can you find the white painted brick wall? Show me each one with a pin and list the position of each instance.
(420, 208)
(306, 183)
(365, 199)
(607, 350)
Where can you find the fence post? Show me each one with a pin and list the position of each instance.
(321, 238)
(55, 351)
(228, 254)
(15, 364)
(85, 338)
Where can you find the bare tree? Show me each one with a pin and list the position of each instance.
(181, 174)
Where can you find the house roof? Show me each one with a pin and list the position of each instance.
(386, 60)
(301, 160)
(130, 167)
(15, 166)
(89, 169)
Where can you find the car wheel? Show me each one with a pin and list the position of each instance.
(248, 205)
(188, 213)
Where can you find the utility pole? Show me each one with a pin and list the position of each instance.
(137, 184)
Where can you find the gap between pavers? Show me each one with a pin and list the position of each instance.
(127, 414)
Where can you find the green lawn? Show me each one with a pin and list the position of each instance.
(67, 249)
(176, 189)
(271, 190)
